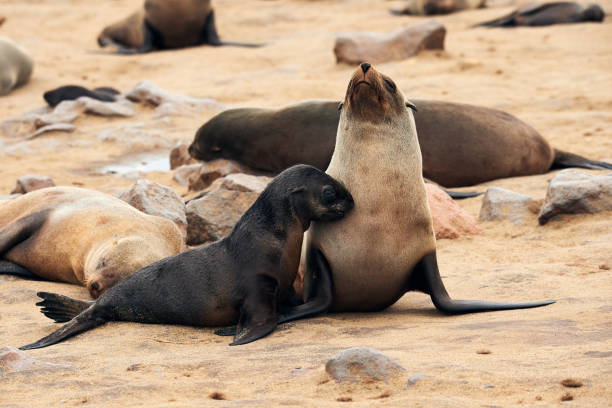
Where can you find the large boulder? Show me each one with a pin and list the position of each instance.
(355, 48)
(449, 219)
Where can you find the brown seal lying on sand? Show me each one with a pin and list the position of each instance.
(245, 277)
(386, 245)
(81, 236)
(165, 24)
(431, 7)
(537, 14)
(461, 144)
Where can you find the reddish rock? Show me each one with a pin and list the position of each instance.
(449, 219)
(179, 156)
(13, 360)
(356, 48)
(32, 182)
(213, 216)
(243, 182)
(187, 174)
(155, 199)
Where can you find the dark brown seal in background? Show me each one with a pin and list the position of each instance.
(537, 14)
(72, 92)
(386, 245)
(245, 277)
(461, 144)
(165, 24)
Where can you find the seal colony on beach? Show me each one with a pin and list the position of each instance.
(81, 236)
(386, 245)
(246, 277)
(461, 144)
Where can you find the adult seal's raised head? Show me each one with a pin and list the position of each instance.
(15, 65)
(246, 277)
(81, 236)
(386, 245)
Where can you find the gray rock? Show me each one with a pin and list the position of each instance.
(501, 204)
(187, 174)
(414, 378)
(121, 107)
(363, 363)
(31, 182)
(574, 192)
(61, 127)
(170, 104)
(155, 199)
(354, 48)
(213, 216)
(179, 156)
(242, 182)
(212, 170)
(15, 360)
(136, 137)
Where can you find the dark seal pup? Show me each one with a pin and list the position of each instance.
(537, 14)
(165, 24)
(244, 277)
(386, 245)
(461, 144)
(72, 92)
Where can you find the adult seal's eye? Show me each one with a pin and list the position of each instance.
(328, 195)
(390, 85)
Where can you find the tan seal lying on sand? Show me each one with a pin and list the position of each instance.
(15, 65)
(81, 236)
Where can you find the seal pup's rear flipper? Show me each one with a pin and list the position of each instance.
(60, 308)
(258, 315)
(20, 230)
(83, 322)
(426, 278)
(564, 160)
(11, 268)
(318, 289)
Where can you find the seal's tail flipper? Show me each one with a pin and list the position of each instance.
(460, 195)
(564, 160)
(505, 21)
(60, 308)
(80, 323)
(11, 268)
(426, 278)
(20, 230)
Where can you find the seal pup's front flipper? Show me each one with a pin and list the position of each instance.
(318, 289)
(86, 320)
(426, 278)
(11, 268)
(258, 315)
(564, 160)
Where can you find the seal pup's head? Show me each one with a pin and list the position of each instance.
(311, 194)
(373, 97)
(593, 12)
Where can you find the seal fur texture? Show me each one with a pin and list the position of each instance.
(386, 245)
(461, 144)
(246, 277)
(82, 236)
(16, 65)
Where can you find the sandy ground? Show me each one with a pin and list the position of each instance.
(559, 79)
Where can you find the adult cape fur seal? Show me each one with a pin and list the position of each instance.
(386, 245)
(245, 277)
(461, 144)
(81, 236)
(165, 24)
(538, 14)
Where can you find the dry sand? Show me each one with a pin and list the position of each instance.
(559, 79)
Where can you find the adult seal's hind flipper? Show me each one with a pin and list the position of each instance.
(20, 230)
(426, 278)
(564, 160)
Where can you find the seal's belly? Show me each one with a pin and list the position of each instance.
(372, 253)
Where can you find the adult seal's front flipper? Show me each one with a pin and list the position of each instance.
(426, 278)
(11, 268)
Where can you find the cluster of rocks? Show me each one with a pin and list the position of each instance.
(61, 117)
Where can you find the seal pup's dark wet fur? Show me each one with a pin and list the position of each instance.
(246, 277)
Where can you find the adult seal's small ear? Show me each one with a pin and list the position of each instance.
(411, 106)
